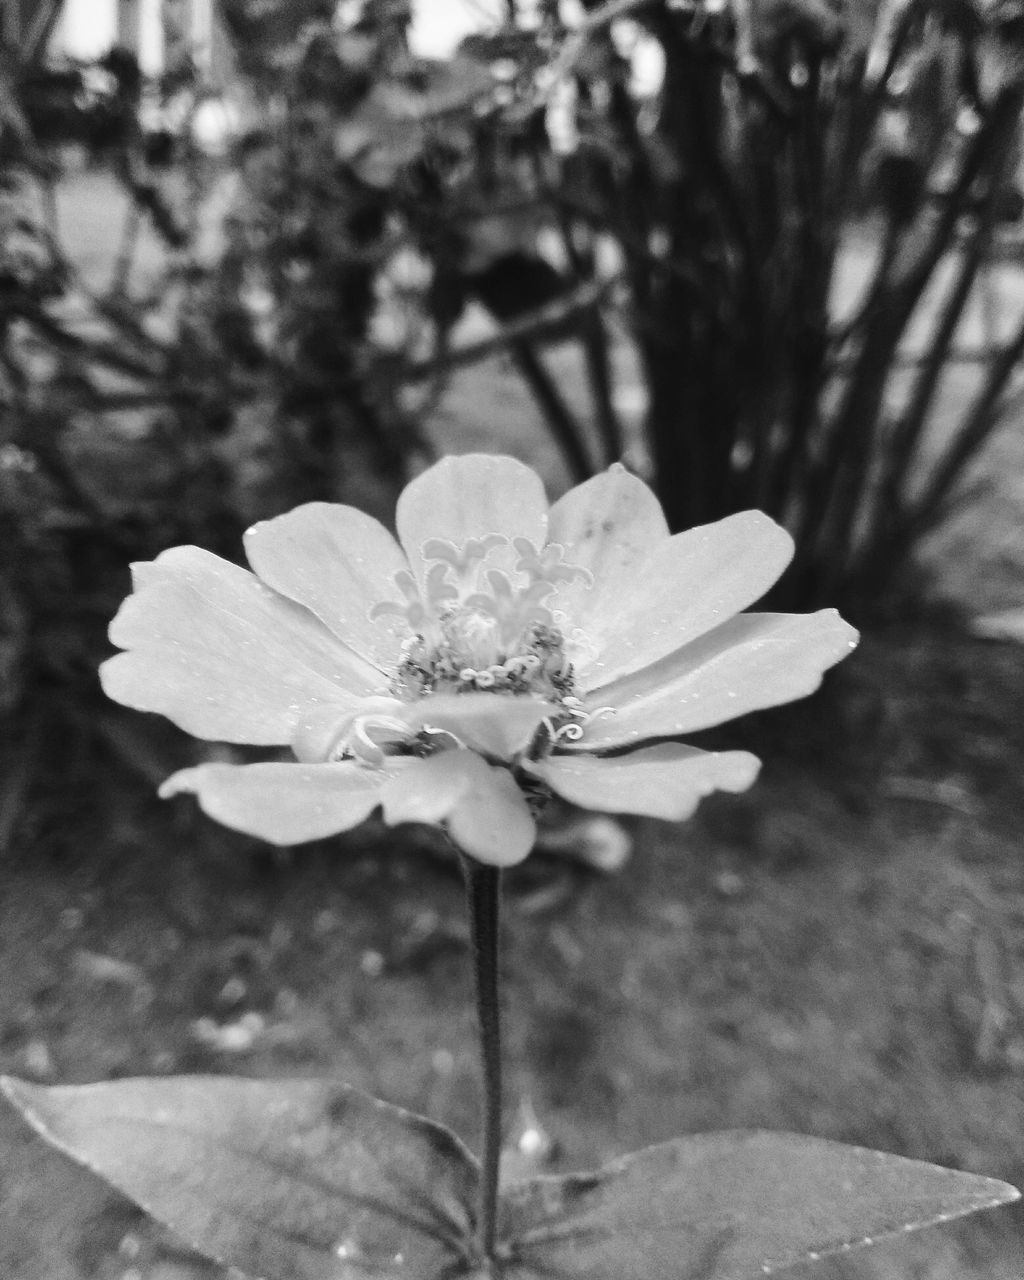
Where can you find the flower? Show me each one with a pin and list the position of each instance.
(497, 651)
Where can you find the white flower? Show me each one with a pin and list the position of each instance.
(495, 651)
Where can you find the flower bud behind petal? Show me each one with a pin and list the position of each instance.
(496, 727)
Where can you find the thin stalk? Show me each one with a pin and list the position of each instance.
(869, 89)
(549, 321)
(804, 348)
(558, 417)
(978, 425)
(51, 210)
(835, 485)
(40, 29)
(594, 341)
(483, 894)
(130, 234)
(933, 505)
(592, 335)
(901, 449)
(103, 351)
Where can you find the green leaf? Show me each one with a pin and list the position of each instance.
(285, 1179)
(727, 1206)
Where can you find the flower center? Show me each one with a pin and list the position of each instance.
(476, 627)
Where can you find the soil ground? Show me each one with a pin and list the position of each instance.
(840, 951)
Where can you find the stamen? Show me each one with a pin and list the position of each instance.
(438, 588)
(573, 730)
(547, 564)
(484, 628)
(418, 611)
(501, 601)
(461, 559)
(411, 609)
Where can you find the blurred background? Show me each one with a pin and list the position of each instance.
(258, 252)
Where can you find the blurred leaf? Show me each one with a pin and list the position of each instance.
(453, 84)
(728, 1206)
(389, 129)
(288, 1180)
(267, 34)
(821, 23)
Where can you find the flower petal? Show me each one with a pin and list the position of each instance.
(222, 655)
(467, 497)
(338, 562)
(486, 813)
(688, 584)
(492, 724)
(665, 781)
(283, 803)
(493, 822)
(752, 661)
(321, 727)
(608, 525)
(430, 788)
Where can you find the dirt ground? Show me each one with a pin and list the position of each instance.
(839, 952)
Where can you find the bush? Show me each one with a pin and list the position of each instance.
(229, 388)
(375, 193)
(729, 192)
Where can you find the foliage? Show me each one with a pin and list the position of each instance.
(374, 194)
(180, 407)
(305, 1180)
(729, 192)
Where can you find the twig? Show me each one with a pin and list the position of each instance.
(902, 446)
(104, 351)
(15, 788)
(746, 56)
(978, 426)
(915, 359)
(40, 29)
(576, 42)
(557, 414)
(593, 336)
(836, 483)
(126, 250)
(543, 322)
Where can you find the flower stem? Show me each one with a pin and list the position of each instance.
(483, 893)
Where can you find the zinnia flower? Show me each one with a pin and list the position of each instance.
(496, 652)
